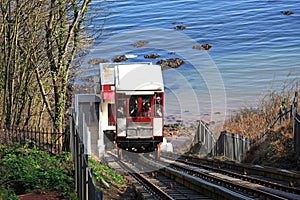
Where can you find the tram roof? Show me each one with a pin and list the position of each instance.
(139, 77)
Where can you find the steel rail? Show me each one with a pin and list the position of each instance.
(245, 177)
(227, 183)
(152, 188)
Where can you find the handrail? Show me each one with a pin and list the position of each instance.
(285, 113)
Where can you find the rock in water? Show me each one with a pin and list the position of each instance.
(179, 27)
(170, 63)
(151, 55)
(202, 47)
(119, 58)
(140, 43)
(287, 12)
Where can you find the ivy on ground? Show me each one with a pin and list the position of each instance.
(23, 170)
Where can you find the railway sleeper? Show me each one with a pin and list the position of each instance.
(195, 183)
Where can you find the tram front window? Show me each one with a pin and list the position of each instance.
(140, 106)
(146, 106)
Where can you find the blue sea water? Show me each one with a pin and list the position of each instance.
(254, 48)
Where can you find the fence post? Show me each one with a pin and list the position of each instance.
(221, 148)
(296, 130)
(77, 164)
(296, 125)
(86, 178)
(197, 136)
(202, 134)
(72, 142)
(81, 171)
(208, 141)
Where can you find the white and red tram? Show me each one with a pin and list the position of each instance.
(132, 105)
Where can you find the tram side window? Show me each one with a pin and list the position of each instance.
(133, 106)
(111, 117)
(121, 111)
(158, 106)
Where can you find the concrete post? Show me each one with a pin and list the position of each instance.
(101, 145)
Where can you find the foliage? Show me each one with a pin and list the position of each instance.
(103, 172)
(277, 150)
(251, 122)
(24, 170)
(7, 194)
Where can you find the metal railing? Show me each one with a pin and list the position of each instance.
(232, 146)
(286, 114)
(42, 139)
(85, 186)
(235, 146)
(205, 137)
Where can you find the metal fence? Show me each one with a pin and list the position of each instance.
(205, 137)
(232, 146)
(235, 146)
(85, 186)
(43, 139)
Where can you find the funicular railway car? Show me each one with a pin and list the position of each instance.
(132, 106)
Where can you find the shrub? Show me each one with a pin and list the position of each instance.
(7, 194)
(251, 122)
(25, 170)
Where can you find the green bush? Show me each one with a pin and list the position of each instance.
(7, 194)
(25, 170)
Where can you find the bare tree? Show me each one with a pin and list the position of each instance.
(38, 43)
(62, 30)
(17, 73)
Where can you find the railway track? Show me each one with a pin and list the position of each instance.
(148, 186)
(245, 177)
(283, 177)
(256, 187)
(155, 186)
(183, 179)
